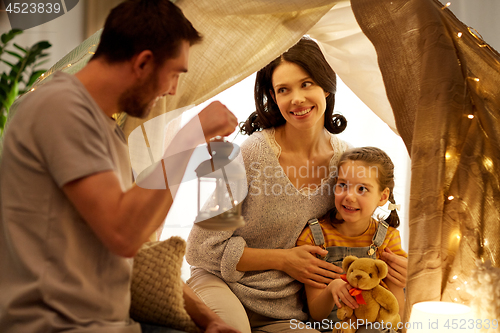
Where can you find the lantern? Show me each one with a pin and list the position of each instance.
(224, 176)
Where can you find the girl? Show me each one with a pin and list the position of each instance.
(249, 276)
(365, 181)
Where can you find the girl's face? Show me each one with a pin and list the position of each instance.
(301, 101)
(357, 192)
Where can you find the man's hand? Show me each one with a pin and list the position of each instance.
(217, 120)
(398, 267)
(302, 264)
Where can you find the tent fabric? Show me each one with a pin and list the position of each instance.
(240, 37)
(442, 82)
(353, 57)
(96, 12)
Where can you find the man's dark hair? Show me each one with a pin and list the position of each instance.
(137, 25)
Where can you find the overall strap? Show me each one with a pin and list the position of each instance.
(378, 237)
(317, 232)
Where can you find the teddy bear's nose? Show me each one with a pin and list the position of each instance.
(358, 277)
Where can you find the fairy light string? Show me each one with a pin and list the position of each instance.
(460, 288)
(90, 51)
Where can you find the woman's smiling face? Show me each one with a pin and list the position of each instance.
(301, 101)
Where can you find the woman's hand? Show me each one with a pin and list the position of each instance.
(398, 267)
(302, 264)
(340, 292)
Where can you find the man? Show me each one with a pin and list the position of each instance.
(69, 212)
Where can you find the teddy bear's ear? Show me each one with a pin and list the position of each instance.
(382, 268)
(347, 262)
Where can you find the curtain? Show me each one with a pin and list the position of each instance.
(96, 12)
(442, 83)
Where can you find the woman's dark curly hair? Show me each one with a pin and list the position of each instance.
(307, 54)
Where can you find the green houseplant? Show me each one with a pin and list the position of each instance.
(23, 72)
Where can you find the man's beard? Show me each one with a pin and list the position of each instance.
(136, 101)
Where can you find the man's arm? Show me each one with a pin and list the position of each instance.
(123, 221)
(202, 315)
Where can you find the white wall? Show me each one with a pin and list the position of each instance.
(64, 33)
(481, 15)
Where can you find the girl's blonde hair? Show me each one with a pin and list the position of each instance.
(377, 157)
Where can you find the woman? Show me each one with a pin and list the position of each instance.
(290, 159)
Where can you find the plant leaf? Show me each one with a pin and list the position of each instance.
(4, 78)
(33, 77)
(20, 48)
(11, 96)
(3, 120)
(42, 45)
(38, 48)
(15, 71)
(41, 63)
(3, 104)
(4, 89)
(6, 37)
(8, 63)
(14, 54)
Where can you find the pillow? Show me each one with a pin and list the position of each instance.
(156, 287)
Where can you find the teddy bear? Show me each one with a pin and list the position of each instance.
(376, 304)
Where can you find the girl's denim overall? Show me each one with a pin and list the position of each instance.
(336, 255)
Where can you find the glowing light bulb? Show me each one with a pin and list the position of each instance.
(459, 34)
(471, 116)
(476, 79)
(488, 163)
(455, 277)
(446, 6)
(451, 197)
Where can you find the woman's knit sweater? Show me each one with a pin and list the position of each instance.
(275, 213)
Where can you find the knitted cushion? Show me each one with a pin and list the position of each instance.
(156, 288)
